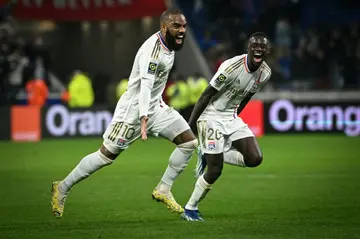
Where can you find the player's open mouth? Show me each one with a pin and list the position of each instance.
(179, 39)
(257, 57)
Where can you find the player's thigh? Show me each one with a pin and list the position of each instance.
(119, 136)
(243, 140)
(211, 138)
(172, 126)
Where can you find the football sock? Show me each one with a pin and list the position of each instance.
(88, 165)
(199, 193)
(177, 163)
(234, 157)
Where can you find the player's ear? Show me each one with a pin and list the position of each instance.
(268, 49)
(163, 27)
(247, 47)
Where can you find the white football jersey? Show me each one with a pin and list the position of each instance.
(234, 81)
(150, 70)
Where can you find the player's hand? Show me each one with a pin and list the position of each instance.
(144, 120)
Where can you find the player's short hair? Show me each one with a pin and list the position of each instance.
(259, 34)
(166, 15)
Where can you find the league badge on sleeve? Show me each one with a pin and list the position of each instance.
(220, 79)
(152, 68)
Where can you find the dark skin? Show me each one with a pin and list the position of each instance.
(172, 27)
(248, 147)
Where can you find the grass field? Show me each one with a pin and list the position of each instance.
(307, 187)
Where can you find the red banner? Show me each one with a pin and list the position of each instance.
(89, 10)
(25, 123)
(253, 116)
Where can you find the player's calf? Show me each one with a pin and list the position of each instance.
(87, 166)
(185, 151)
(177, 163)
(215, 166)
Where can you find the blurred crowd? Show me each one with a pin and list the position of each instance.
(25, 64)
(27, 68)
(310, 48)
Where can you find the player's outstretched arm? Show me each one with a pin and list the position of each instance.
(244, 102)
(201, 105)
(148, 64)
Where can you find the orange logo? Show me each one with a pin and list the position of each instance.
(25, 123)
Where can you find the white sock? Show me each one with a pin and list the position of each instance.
(177, 163)
(88, 165)
(234, 157)
(201, 189)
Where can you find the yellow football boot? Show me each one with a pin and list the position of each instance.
(57, 200)
(168, 200)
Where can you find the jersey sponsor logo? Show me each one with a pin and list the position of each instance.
(162, 73)
(152, 68)
(233, 93)
(211, 145)
(220, 79)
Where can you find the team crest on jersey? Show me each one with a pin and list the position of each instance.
(121, 142)
(220, 79)
(152, 68)
(255, 88)
(211, 145)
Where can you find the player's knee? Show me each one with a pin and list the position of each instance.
(254, 159)
(214, 171)
(106, 154)
(104, 157)
(213, 174)
(179, 158)
(188, 147)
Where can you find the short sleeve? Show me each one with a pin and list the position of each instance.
(221, 78)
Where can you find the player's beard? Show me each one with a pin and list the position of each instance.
(171, 41)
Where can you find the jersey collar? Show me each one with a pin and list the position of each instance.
(162, 41)
(246, 64)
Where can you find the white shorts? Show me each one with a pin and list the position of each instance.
(166, 122)
(216, 136)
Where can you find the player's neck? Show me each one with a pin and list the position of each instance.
(163, 39)
(251, 66)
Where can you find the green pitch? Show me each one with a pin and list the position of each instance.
(307, 187)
